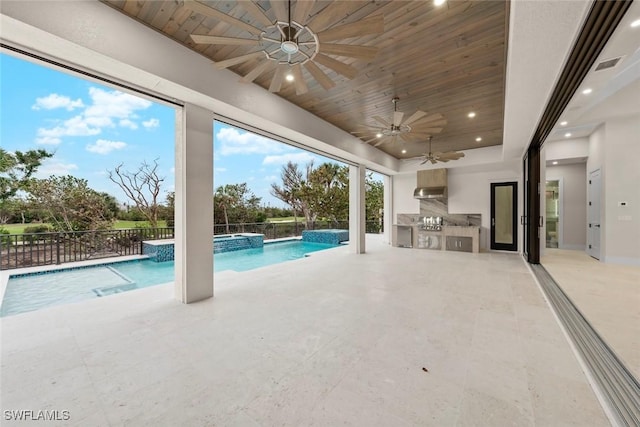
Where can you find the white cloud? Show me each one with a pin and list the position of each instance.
(55, 167)
(230, 141)
(102, 146)
(271, 178)
(300, 158)
(48, 140)
(106, 109)
(126, 123)
(54, 101)
(151, 123)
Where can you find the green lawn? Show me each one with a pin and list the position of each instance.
(133, 224)
(283, 219)
(17, 228)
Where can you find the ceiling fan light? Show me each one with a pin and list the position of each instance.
(289, 47)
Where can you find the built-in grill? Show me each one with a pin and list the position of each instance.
(430, 223)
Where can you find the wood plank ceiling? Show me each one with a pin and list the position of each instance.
(447, 59)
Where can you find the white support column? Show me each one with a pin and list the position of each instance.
(357, 222)
(387, 206)
(194, 205)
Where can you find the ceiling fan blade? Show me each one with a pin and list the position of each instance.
(302, 10)
(298, 80)
(415, 116)
(346, 70)
(256, 12)
(433, 161)
(452, 155)
(368, 126)
(381, 120)
(418, 126)
(424, 161)
(203, 39)
(334, 12)
(361, 52)
(278, 77)
(405, 137)
(259, 69)
(214, 13)
(397, 117)
(371, 25)
(320, 76)
(279, 8)
(430, 118)
(426, 131)
(238, 59)
(370, 140)
(382, 141)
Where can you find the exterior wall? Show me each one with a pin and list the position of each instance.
(574, 203)
(403, 201)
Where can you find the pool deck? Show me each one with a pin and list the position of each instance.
(334, 339)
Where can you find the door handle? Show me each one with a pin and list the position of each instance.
(540, 221)
(521, 219)
(493, 222)
(596, 225)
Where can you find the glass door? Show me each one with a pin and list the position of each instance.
(552, 214)
(504, 214)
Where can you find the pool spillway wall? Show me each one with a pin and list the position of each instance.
(331, 236)
(163, 250)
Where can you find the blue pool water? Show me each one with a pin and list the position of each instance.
(32, 292)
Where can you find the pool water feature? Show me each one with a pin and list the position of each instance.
(35, 291)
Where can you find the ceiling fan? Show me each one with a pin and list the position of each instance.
(289, 42)
(437, 157)
(418, 126)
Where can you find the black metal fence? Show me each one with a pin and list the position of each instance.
(34, 249)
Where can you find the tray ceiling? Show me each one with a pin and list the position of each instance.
(447, 59)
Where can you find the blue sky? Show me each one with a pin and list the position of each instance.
(93, 128)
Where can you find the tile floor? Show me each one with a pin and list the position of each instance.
(333, 339)
(608, 295)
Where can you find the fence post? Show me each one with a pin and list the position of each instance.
(58, 248)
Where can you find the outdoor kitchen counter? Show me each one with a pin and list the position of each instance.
(463, 231)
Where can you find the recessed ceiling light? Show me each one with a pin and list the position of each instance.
(587, 91)
(289, 77)
(378, 135)
(478, 139)
(567, 135)
(438, 2)
(635, 23)
(404, 151)
(563, 123)
(554, 163)
(471, 115)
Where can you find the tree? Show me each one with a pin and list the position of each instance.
(374, 202)
(328, 191)
(294, 191)
(142, 187)
(16, 170)
(69, 204)
(236, 204)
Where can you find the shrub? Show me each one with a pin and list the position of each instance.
(41, 228)
(4, 240)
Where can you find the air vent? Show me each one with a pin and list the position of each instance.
(609, 63)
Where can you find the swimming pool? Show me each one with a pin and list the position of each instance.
(35, 291)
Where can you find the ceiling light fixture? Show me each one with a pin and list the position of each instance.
(635, 24)
(478, 139)
(471, 115)
(289, 77)
(554, 163)
(404, 151)
(587, 91)
(439, 2)
(567, 135)
(378, 135)
(563, 123)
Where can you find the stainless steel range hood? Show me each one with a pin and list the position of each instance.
(431, 184)
(430, 193)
